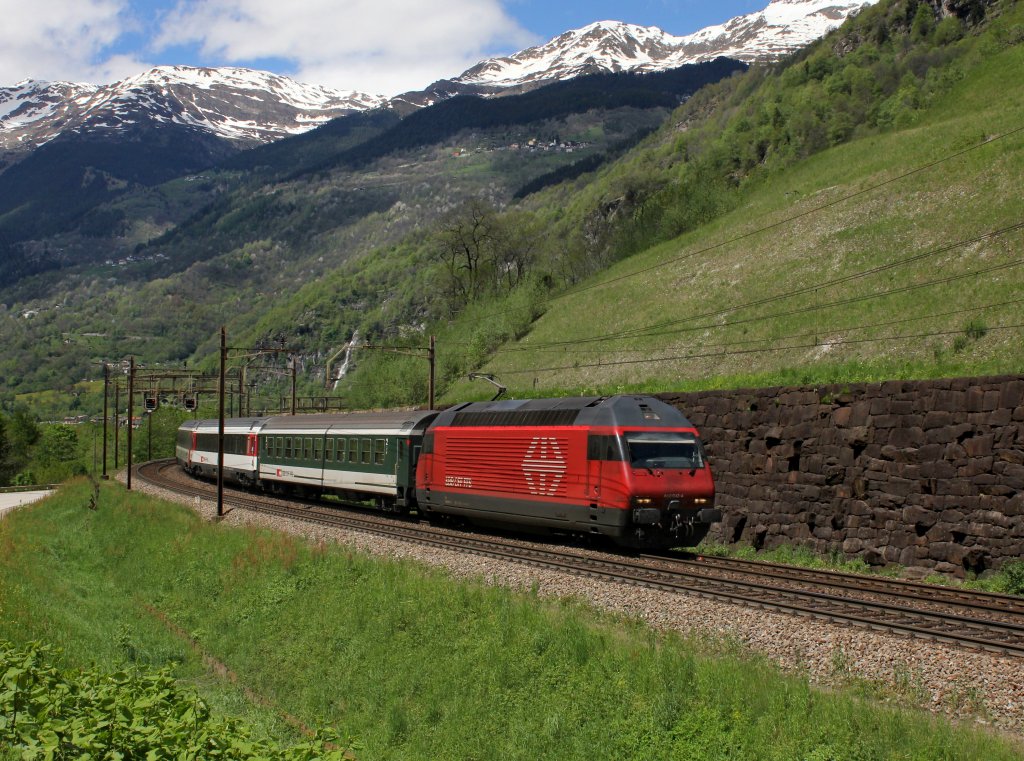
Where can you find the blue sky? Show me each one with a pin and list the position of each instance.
(377, 46)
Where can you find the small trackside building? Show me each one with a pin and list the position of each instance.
(628, 467)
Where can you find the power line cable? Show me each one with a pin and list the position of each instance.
(749, 351)
(849, 196)
(801, 215)
(848, 328)
(656, 328)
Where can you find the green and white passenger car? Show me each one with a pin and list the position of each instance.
(355, 455)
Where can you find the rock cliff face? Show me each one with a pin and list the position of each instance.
(927, 474)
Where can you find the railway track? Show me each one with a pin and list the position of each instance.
(981, 621)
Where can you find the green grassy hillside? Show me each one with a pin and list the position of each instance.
(848, 213)
(895, 255)
(288, 635)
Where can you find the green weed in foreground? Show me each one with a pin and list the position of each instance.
(52, 713)
(413, 663)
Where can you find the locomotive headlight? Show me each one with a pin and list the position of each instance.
(700, 500)
(642, 500)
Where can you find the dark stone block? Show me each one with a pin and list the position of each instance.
(948, 401)
(891, 388)
(938, 469)
(887, 421)
(906, 437)
(859, 413)
(975, 400)
(938, 419)
(880, 406)
(1011, 393)
(976, 466)
(991, 401)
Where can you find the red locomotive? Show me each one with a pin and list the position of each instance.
(628, 467)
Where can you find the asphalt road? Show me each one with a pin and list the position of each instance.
(10, 500)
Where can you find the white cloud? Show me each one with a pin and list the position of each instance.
(378, 46)
(63, 39)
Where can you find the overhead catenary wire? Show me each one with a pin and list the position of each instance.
(666, 327)
(840, 302)
(792, 218)
(800, 215)
(739, 352)
(830, 329)
(657, 329)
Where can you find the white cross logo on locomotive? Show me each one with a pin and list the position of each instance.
(543, 466)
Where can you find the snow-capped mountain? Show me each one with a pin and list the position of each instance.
(237, 104)
(781, 28)
(249, 107)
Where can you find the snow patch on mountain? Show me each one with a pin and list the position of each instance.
(233, 103)
(781, 28)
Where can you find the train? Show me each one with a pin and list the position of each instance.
(629, 468)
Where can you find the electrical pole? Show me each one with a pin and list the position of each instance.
(431, 356)
(106, 383)
(131, 393)
(241, 390)
(117, 431)
(430, 384)
(220, 422)
(294, 362)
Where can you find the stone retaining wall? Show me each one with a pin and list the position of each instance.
(927, 474)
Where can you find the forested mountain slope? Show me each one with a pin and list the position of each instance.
(239, 239)
(734, 257)
(850, 214)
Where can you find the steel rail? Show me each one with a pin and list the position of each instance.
(901, 588)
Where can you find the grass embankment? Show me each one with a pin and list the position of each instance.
(838, 269)
(411, 662)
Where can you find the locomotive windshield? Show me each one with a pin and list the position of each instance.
(664, 450)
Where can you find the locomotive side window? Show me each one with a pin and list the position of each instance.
(664, 450)
(366, 450)
(353, 450)
(329, 450)
(380, 450)
(608, 448)
(318, 445)
(307, 448)
(288, 448)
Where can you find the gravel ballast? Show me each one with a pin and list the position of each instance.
(977, 686)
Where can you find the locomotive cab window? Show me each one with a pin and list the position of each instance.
(607, 448)
(664, 450)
